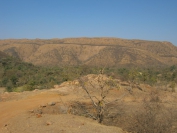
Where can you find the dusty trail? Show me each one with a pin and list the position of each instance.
(9, 109)
(14, 114)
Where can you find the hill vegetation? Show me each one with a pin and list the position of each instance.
(105, 52)
(38, 64)
(16, 75)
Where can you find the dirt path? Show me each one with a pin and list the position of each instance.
(15, 119)
(9, 109)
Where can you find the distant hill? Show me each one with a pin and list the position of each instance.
(92, 52)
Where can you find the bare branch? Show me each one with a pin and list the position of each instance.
(118, 98)
(102, 85)
(83, 87)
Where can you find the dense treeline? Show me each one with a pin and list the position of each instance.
(16, 75)
(151, 76)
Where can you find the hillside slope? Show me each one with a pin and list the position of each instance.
(92, 52)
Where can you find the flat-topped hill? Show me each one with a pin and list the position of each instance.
(91, 51)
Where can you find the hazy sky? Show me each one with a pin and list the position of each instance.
(129, 19)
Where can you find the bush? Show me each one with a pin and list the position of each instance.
(153, 118)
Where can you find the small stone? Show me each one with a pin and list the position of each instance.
(39, 111)
(38, 115)
(31, 111)
(63, 109)
(124, 84)
(35, 90)
(5, 125)
(51, 103)
(43, 105)
(48, 123)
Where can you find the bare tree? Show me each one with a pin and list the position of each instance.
(98, 91)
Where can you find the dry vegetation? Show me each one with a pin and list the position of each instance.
(150, 115)
(92, 52)
(100, 98)
(129, 95)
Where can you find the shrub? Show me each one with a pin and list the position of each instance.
(153, 118)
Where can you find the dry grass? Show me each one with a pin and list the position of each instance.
(91, 51)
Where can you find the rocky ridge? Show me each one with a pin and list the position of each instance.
(92, 52)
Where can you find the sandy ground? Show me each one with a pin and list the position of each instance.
(15, 116)
(63, 123)
(17, 110)
(9, 109)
